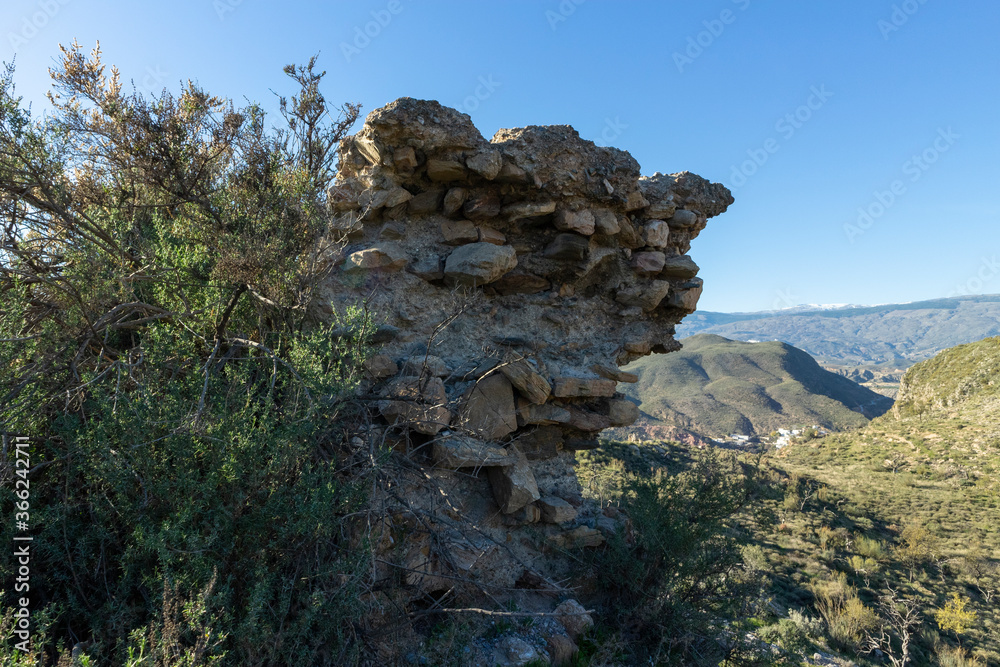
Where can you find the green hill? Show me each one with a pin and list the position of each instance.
(867, 537)
(716, 386)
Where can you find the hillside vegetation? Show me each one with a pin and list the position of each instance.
(892, 335)
(883, 545)
(716, 386)
(920, 489)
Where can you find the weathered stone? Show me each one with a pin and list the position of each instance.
(551, 300)
(529, 514)
(459, 232)
(568, 247)
(513, 486)
(386, 256)
(479, 264)
(528, 209)
(487, 164)
(574, 617)
(488, 410)
(622, 412)
(680, 266)
(396, 212)
(547, 413)
(445, 170)
(368, 149)
(640, 347)
(606, 222)
(380, 366)
(587, 421)
(392, 231)
(635, 201)
(686, 296)
(561, 650)
(526, 380)
(417, 403)
(458, 451)
(428, 201)
(343, 196)
(571, 387)
(581, 222)
(542, 443)
(656, 234)
(482, 207)
(397, 196)
(628, 236)
(372, 200)
(404, 158)
(683, 218)
(511, 173)
(555, 510)
(453, 200)
(647, 297)
(658, 189)
(429, 268)
(490, 235)
(519, 282)
(615, 374)
(426, 365)
(648, 263)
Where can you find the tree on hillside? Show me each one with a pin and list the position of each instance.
(955, 617)
(900, 623)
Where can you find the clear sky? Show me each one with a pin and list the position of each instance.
(860, 137)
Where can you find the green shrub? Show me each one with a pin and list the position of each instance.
(847, 618)
(191, 493)
(788, 635)
(870, 548)
(679, 569)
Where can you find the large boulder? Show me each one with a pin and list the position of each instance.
(488, 411)
(478, 264)
(513, 486)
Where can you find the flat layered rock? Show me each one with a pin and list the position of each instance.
(458, 451)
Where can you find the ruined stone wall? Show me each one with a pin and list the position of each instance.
(511, 278)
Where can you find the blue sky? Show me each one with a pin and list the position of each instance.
(860, 137)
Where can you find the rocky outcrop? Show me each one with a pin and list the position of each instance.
(511, 277)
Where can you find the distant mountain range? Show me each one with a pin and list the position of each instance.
(890, 336)
(716, 387)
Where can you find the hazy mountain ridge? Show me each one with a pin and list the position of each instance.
(715, 386)
(895, 335)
